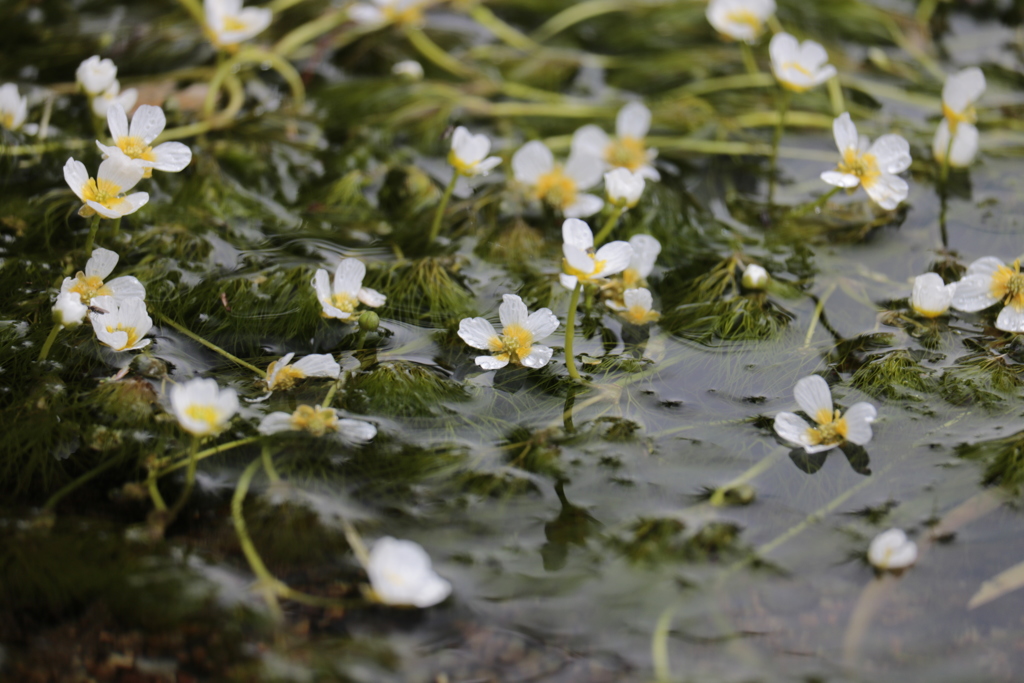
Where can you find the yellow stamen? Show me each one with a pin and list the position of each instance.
(344, 302)
(864, 166)
(513, 345)
(410, 15)
(233, 24)
(103, 192)
(285, 377)
(7, 120)
(208, 414)
(968, 115)
(1008, 284)
(88, 286)
(133, 335)
(557, 189)
(135, 147)
(584, 276)
(638, 315)
(831, 429)
(316, 422)
(743, 16)
(461, 167)
(626, 152)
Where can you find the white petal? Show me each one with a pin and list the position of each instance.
(75, 176)
(986, 265)
(963, 89)
(132, 203)
(931, 296)
(538, 357)
(892, 550)
(104, 211)
(616, 257)
(121, 172)
(892, 152)
(531, 161)
(171, 157)
(371, 297)
(365, 14)
(486, 166)
(578, 259)
(633, 120)
(348, 277)
(253, 20)
(490, 362)
(844, 132)
(638, 297)
(512, 311)
(275, 423)
(577, 233)
(838, 179)
(965, 145)
(888, 191)
(477, 332)
(147, 122)
(322, 284)
(568, 281)
(591, 141)
(1011, 319)
(117, 121)
(126, 287)
(792, 428)
(585, 169)
(858, 423)
(542, 323)
(813, 396)
(584, 206)
(318, 365)
(974, 293)
(101, 263)
(783, 48)
(645, 254)
(356, 431)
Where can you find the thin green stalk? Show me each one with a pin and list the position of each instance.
(195, 9)
(93, 229)
(835, 95)
(718, 497)
(807, 208)
(60, 495)
(577, 13)
(310, 31)
(570, 332)
(48, 344)
(253, 55)
(208, 453)
(782, 101)
(117, 228)
(818, 308)
(190, 480)
(355, 541)
(268, 465)
(748, 58)
(435, 227)
(659, 647)
(944, 172)
(511, 36)
(335, 386)
(210, 345)
(154, 493)
(435, 54)
(269, 586)
(602, 235)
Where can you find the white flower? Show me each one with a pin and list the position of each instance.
(740, 19)
(408, 68)
(989, 281)
(799, 66)
(282, 374)
(124, 323)
(102, 195)
(636, 307)
(872, 165)
(626, 149)
(534, 166)
(892, 550)
(227, 23)
(347, 292)
(101, 104)
(833, 428)
(135, 142)
(517, 341)
(755, 277)
(645, 254)
(387, 11)
(318, 421)
(401, 574)
(580, 263)
(469, 153)
(931, 296)
(91, 283)
(13, 107)
(624, 187)
(963, 148)
(202, 407)
(957, 133)
(69, 310)
(96, 75)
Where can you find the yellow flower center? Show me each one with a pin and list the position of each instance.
(344, 302)
(557, 189)
(1008, 284)
(968, 115)
(626, 152)
(7, 120)
(638, 315)
(88, 286)
(513, 345)
(631, 279)
(799, 68)
(233, 24)
(410, 15)
(103, 192)
(460, 166)
(135, 147)
(831, 429)
(864, 166)
(133, 335)
(747, 18)
(316, 422)
(285, 377)
(583, 276)
(207, 414)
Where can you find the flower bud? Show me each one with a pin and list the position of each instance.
(69, 310)
(408, 69)
(369, 321)
(624, 187)
(755, 277)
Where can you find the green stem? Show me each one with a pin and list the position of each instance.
(253, 55)
(835, 95)
(117, 228)
(268, 465)
(570, 332)
(209, 452)
(816, 316)
(718, 497)
(659, 647)
(190, 480)
(577, 13)
(195, 9)
(807, 208)
(154, 493)
(435, 54)
(748, 58)
(213, 347)
(269, 586)
(609, 225)
(57, 497)
(511, 36)
(310, 31)
(944, 172)
(782, 101)
(48, 344)
(93, 229)
(435, 227)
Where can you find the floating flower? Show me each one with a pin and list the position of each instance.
(624, 187)
(318, 422)
(636, 307)
(645, 254)
(626, 149)
(228, 23)
(102, 103)
(872, 165)
(96, 75)
(931, 296)
(13, 107)
(401, 574)
(892, 550)
(740, 19)
(469, 153)
(136, 142)
(957, 135)
(102, 195)
(122, 324)
(833, 428)
(68, 310)
(348, 292)
(282, 374)
(408, 68)
(989, 281)
(91, 283)
(387, 12)
(517, 341)
(202, 407)
(799, 66)
(755, 277)
(581, 264)
(561, 187)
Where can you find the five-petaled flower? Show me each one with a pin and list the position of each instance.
(931, 297)
(892, 551)
(957, 135)
(401, 574)
(469, 153)
(347, 292)
(637, 306)
(872, 165)
(135, 142)
(641, 263)
(123, 323)
(517, 343)
(833, 428)
(103, 194)
(228, 23)
(627, 149)
(581, 263)
(799, 66)
(13, 107)
(90, 283)
(561, 187)
(740, 19)
(282, 374)
(318, 421)
(989, 281)
(202, 407)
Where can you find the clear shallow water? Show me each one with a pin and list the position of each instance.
(565, 539)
